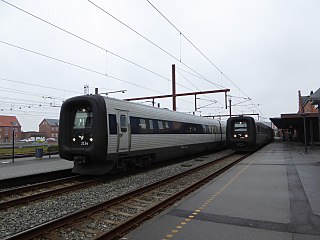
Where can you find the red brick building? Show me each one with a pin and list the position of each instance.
(50, 127)
(305, 105)
(8, 126)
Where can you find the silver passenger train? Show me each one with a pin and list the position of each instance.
(101, 134)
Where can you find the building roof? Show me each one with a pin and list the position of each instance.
(305, 100)
(8, 121)
(52, 122)
(315, 97)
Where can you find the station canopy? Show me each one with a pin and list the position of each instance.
(293, 120)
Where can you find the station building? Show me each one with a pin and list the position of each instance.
(303, 125)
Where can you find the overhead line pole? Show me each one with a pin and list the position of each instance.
(174, 97)
(230, 107)
(233, 115)
(178, 95)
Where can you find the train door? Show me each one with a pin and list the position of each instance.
(218, 134)
(123, 131)
(219, 137)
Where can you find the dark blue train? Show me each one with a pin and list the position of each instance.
(245, 135)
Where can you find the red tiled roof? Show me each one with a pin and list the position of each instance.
(8, 121)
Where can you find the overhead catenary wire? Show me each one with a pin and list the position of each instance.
(46, 99)
(29, 101)
(23, 104)
(188, 80)
(192, 44)
(107, 51)
(91, 43)
(18, 103)
(151, 42)
(24, 92)
(22, 113)
(197, 76)
(77, 66)
(204, 55)
(81, 67)
(37, 85)
(87, 41)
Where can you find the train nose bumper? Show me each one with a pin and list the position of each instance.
(240, 144)
(79, 159)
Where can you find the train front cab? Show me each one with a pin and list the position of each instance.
(241, 134)
(83, 134)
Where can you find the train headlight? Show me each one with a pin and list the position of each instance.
(91, 139)
(74, 139)
(246, 135)
(235, 135)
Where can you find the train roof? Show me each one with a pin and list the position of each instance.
(150, 111)
(263, 124)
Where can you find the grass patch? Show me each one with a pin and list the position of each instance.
(29, 150)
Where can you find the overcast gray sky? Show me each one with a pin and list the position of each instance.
(269, 49)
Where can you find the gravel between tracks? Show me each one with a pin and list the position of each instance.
(17, 219)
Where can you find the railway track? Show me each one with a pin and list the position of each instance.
(25, 194)
(114, 217)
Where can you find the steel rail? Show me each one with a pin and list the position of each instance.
(136, 220)
(43, 190)
(46, 228)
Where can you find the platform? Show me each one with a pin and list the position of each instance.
(273, 194)
(31, 165)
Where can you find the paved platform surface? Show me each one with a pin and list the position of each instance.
(31, 165)
(273, 194)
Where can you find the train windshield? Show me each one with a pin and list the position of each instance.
(240, 127)
(83, 118)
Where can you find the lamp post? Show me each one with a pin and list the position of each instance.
(12, 145)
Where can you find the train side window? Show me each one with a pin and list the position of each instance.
(198, 129)
(123, 123)
(112, 124)
(168, 126)
(155, 126)
(176, 126)
(258, 128)
(184, 128)
(142, 124)
(134, 122)
(151, 124)
(143, 128)
(160, 125)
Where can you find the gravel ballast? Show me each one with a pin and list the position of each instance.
(16, 219)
